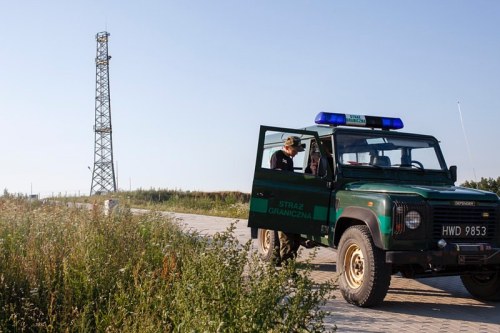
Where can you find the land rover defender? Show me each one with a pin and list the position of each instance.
(384, 200)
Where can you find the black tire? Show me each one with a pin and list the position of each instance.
(268, 244)
(484, 287)
(364, 275)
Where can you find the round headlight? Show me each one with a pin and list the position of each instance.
(413, 219)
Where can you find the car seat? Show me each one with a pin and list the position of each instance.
(383, 161)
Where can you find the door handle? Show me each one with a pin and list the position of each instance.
(264, 195)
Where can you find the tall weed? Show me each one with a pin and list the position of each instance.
(74, 270)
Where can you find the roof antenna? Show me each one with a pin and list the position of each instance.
(466, 140)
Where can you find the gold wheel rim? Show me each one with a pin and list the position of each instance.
(266, 243)
(354, 263)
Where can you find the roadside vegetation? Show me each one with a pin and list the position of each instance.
(75, 270)
(224, 204)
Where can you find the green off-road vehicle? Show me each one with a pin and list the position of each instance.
(385, 200)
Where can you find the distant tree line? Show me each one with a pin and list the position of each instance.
(487, 184)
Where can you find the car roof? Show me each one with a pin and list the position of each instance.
(280, 137)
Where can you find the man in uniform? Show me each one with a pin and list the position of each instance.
(283, 160)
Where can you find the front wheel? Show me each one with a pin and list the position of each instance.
(268, 244)
(485, 287)
(365, 277)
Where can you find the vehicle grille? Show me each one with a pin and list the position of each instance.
(453, 215)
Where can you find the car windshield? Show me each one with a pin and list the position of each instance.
(379, 150)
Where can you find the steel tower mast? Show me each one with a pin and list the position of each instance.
(103, 175)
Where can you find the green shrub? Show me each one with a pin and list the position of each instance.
(75, 270)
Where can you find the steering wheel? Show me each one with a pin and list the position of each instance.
(417, 164)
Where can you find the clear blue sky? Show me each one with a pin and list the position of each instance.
(191, 81)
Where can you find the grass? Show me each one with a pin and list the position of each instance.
(224, 204)
(75, 270)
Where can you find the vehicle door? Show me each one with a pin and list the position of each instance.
(295, 202)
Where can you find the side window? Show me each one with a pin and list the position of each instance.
(266, 157)
(299, 161)
(274, 141)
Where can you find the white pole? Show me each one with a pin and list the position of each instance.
(466, 141)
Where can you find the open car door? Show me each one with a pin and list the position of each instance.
(295, 202)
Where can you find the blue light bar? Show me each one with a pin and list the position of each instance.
(341, 119)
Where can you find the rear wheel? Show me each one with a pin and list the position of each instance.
(365, 277)
(485, 287)
(268, 244)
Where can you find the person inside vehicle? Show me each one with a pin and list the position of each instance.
(314, 157)
(283, 160)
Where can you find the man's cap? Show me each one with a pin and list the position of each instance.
(294, 142)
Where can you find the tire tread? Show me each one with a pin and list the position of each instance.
(380, 275)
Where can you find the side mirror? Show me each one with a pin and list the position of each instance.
(453, 173)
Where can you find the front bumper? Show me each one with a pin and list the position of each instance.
(453, 254)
